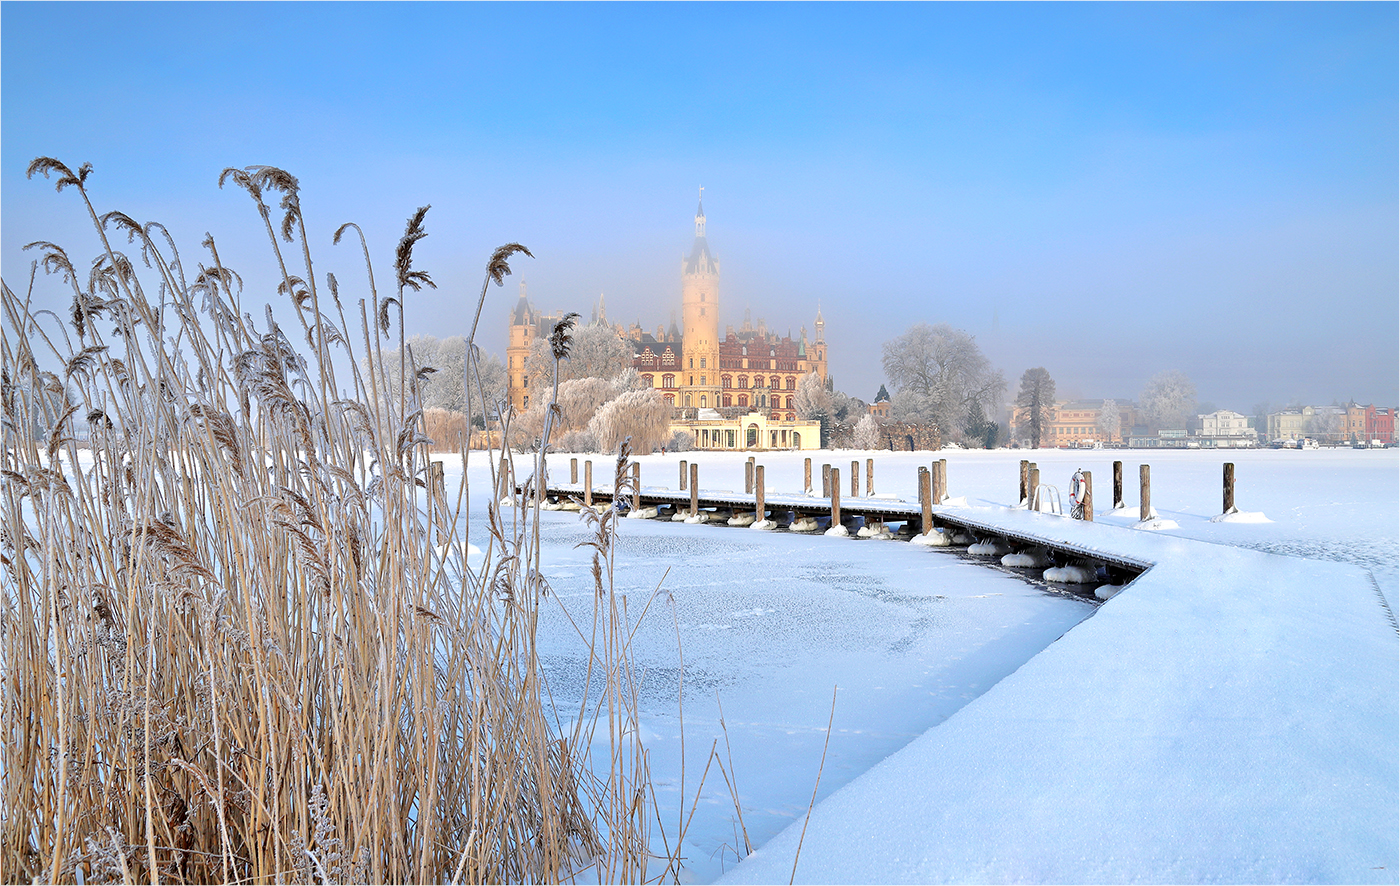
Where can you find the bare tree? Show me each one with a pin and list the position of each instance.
(945, 379)
(1169, 400)
(1037, 399)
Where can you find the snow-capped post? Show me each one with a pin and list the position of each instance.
(1025, 478)
(1145, 492)
(683, 474)
(1089, 496)
(1033, 484)
(694, 490)
(1228, 504)
(573, 470)
(826, 481)
(758, 506)
(636, 486)
(588, 484)
(506, 485)
(1117, 485)
(835, 497)
(806, 476)
(925, 501)
(855, 479)
(942, 480)
(870, 476)
(748, 476)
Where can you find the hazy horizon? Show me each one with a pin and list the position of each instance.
(1108, 191)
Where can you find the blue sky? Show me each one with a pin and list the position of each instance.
(1106, 190)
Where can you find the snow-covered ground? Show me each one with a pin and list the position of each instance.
(770, 623)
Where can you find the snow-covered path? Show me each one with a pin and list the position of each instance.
(1232, 717)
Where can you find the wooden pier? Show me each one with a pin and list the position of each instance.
(787, 510)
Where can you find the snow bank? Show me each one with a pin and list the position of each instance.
(1219, 721)
(1238, 516)
(838, 531)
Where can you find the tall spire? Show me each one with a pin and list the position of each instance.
(700, 214)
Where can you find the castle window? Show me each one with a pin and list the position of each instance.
(791, 383)
(702, 400)
(773, 382)
(650, 380)
(702, 362)
(726, 400)
(692, 380)
(743, 399)
(702, 311)
(727, 382)
(524, 381)
(687, 399)
(526, 401)
(702, 298)
(670, 399)
(702, 380)
(692, 364)
(743, 381)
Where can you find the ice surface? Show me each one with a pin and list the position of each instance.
(1231, 716)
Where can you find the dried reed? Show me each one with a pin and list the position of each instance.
(240, 638)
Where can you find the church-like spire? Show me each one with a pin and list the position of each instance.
(700, 214)
(820, 324)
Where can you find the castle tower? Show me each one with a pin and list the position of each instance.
(523, 323)
(700, 379)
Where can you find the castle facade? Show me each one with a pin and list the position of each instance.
(749, 370)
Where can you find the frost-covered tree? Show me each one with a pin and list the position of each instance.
(867, 433)
(643, 415)
(442, 376)
(596, 352)
(1110, 419)
(1036, 400)
(1169, 400)
(945, 369)
(812, 400)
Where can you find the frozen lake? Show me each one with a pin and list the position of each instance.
(770, 623)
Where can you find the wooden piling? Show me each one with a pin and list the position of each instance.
(855, 479)
(694, 490)
(1033, 484)
(826, 481)
(504, 487)
(758, 505)
(1228, 503)
(748, 476)
(869, 477)
(636, 486)
(588, 484)
(1025, 478)
(1089, 496)
(573, 470)
(943, 480)
(1117, 485)
(683, 474)
(925, 501)
(1145, 492)
(835, 497)
(806, 475)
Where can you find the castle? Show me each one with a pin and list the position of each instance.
(748, 371)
